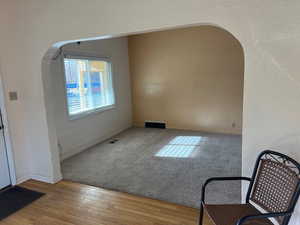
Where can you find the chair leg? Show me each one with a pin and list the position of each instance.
(201, 214)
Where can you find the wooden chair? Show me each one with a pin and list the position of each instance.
(274, 187)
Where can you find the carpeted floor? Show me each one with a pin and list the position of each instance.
(165, 164)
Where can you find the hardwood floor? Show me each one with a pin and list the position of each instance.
(67, 203)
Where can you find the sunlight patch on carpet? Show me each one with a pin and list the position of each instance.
(180, 147)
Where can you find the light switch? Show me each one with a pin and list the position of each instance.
(13, 96)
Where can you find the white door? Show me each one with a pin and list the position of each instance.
(4, 171)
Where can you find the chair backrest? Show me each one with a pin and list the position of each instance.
(275, 185)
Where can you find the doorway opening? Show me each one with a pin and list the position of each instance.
(190, 79)
(5, 179)
(7, 167)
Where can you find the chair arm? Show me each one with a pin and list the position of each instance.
(262, 216)
(219, 179)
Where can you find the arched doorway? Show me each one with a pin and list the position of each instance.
(220, 59)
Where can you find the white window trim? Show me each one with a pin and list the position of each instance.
(90, 112)
(74, 55)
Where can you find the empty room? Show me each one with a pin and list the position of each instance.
(158, 112)
(134, 111)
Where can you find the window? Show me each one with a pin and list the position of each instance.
(89, 85)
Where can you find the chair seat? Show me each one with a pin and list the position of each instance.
(231, 213)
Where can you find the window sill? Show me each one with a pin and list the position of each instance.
(91, 112)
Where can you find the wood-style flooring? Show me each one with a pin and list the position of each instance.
(68, 203)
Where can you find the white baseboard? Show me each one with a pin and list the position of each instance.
(57, 179)
(37, 177)
(23, 179)
(42, 178)
(71, 152)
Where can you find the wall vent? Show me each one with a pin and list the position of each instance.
(113, 141)
(155, 125)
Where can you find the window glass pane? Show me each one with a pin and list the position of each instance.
(88, 85)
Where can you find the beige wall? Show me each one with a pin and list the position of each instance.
(190, 78)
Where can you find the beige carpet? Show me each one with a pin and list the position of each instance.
(169, 165)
